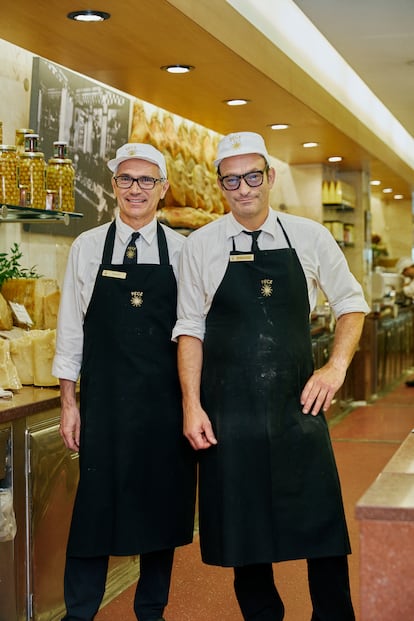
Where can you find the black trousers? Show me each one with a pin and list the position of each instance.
(328, 578)
(85, 578)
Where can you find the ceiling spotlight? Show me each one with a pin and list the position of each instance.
(88, 16)
(335, 158)
(177, 68)
(236, 102)
(310, 145)
(375, 182)
(279, 126)
(398, 197)
(387, 190)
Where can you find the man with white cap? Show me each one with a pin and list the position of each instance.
(253, 403)
(137, 472)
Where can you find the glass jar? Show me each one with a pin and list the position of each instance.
(32, 176)
(60, 178)
(9, 189)
(20, 134)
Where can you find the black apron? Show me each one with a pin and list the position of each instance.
(137, 471)
(269, 490)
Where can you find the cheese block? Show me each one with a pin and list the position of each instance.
(43, 352)
(50, 310)
(9, 378)
(21, 354)
(34, 294)
(6, 319)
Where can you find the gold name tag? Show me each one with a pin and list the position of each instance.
(241, 257)
(114, 274)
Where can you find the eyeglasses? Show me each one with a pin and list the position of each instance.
(145, 183)
(253, 179)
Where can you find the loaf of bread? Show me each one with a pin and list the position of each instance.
(184, 217)
(39, 296)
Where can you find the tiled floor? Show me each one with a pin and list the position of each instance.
(364, 440)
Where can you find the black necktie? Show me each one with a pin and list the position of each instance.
(130, 255)
(254, 235)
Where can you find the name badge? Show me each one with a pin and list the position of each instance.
(241, 257)
(114, 274)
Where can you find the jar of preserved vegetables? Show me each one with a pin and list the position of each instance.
(60, 178)
(32, 171)
(9, 189)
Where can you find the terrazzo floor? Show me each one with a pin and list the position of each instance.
(364, 440)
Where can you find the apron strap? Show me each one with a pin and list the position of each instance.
(109, 245)
(285, 234)
(110, 239)
(162, 246)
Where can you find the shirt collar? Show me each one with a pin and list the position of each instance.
(124, 231)
(234, 228)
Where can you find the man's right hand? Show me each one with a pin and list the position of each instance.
(198, 429)
(70, 427)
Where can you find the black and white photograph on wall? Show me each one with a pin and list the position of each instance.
(94, 121)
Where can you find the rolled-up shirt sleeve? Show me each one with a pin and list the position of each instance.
(191, 296)
(69, 336)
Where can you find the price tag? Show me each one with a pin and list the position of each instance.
(21, 314)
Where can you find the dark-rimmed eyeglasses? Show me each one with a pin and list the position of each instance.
(145, 183)
(253, 179)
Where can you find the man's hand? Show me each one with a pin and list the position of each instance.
(69, 415)
(198, 429)
(320, 389)
(70, 427)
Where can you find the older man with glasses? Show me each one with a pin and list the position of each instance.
(253, 403)
(137, 472)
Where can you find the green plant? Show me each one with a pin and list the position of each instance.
(10, 266)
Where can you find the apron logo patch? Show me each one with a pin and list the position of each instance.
(266, 289)
(137, 298)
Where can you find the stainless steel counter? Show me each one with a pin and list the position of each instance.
(43, 477)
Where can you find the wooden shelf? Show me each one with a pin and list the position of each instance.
(26, 215)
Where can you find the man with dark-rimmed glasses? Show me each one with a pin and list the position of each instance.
(137, 472)
(253, 403)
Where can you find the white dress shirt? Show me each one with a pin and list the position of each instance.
(84, 260)
(205, 257)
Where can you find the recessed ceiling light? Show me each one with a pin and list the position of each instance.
(88, 16)
(279, 126)
(335, 158)
(387, 190)
(177, 68)
(375, 182)
(310, 145)
(398, 197)
(236, 102)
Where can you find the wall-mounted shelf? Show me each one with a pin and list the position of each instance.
(26, 215)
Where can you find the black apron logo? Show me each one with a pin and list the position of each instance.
(266, 288)
(137, 298)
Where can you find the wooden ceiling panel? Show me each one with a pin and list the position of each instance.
(127, 51)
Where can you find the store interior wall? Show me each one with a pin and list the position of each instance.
(297, 189)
